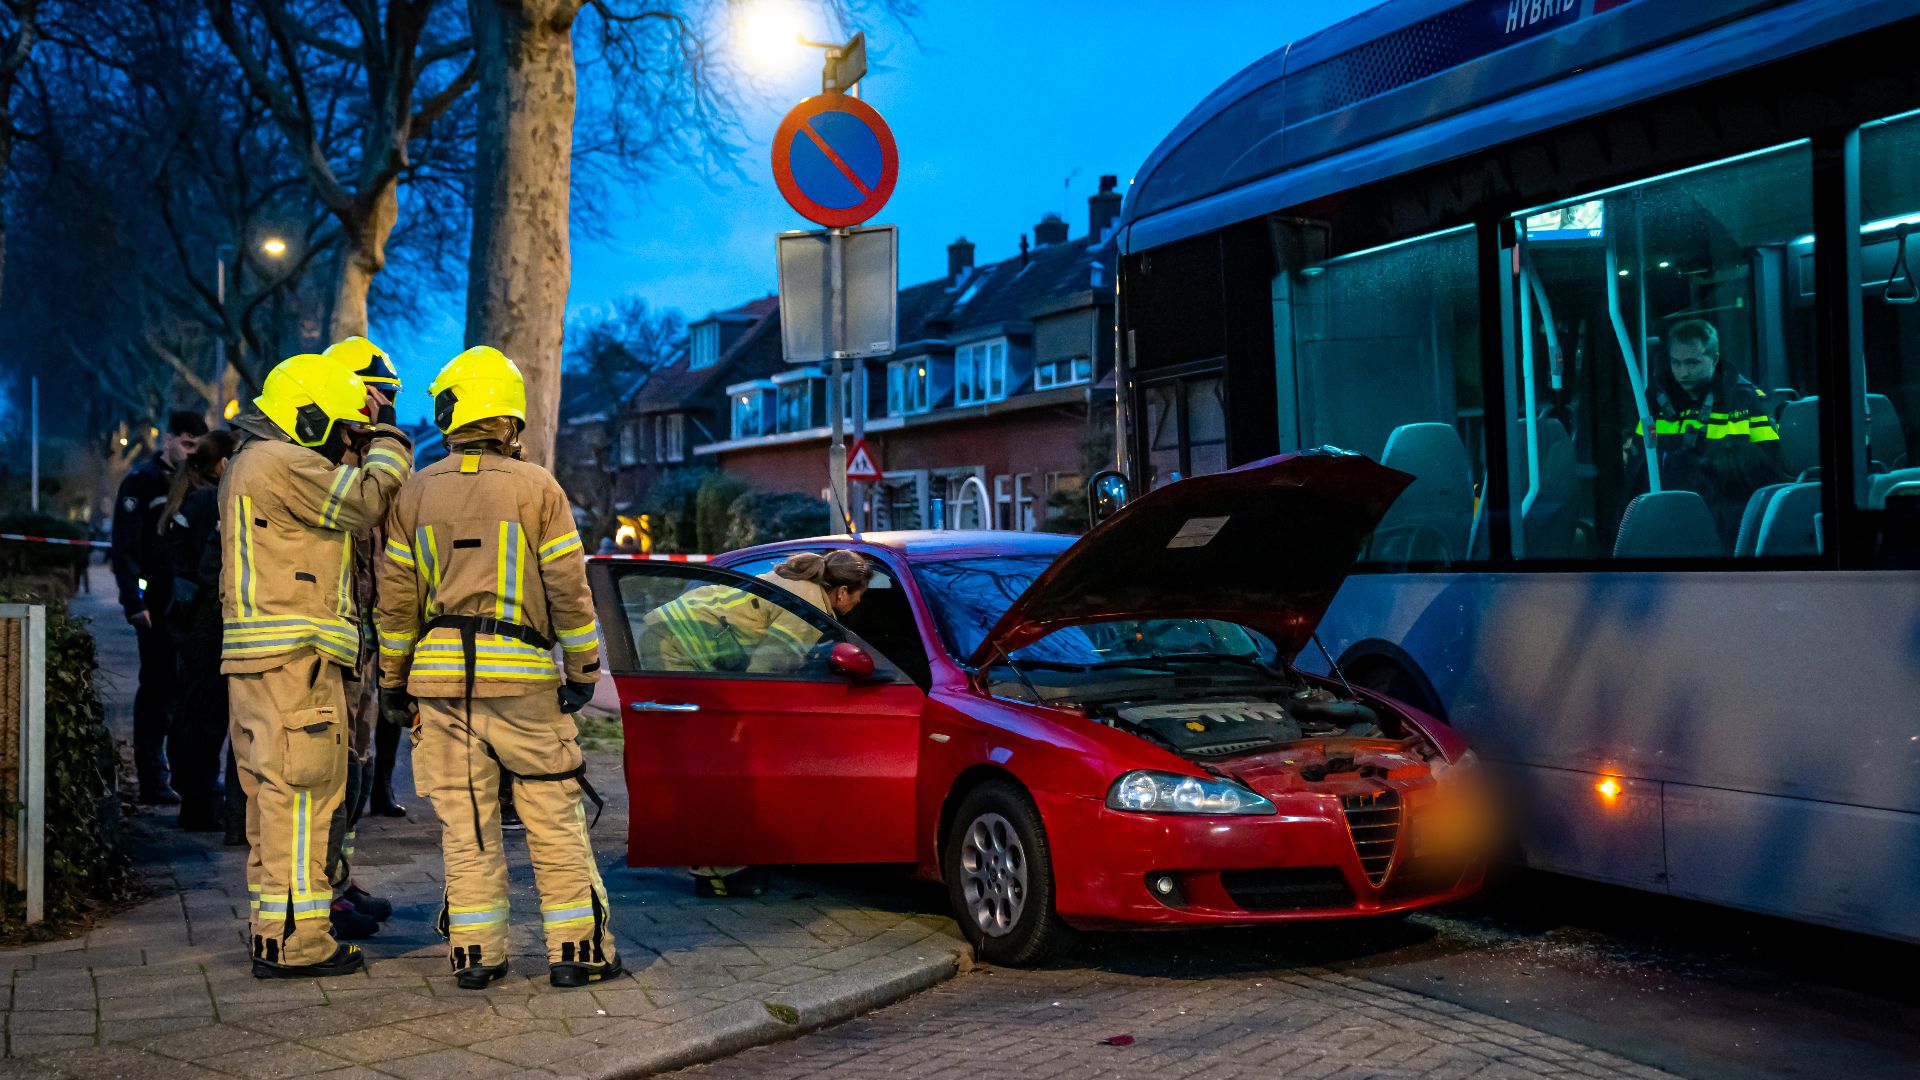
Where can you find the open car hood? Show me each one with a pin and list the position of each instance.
(1265, 545)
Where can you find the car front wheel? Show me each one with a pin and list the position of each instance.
(999, 874)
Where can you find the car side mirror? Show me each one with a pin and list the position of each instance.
(1108, 491)
(850, 661)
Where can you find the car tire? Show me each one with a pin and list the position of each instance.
(999, 872)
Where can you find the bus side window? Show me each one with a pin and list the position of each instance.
(1647, 320)
(1379, 352)
(1890, 304)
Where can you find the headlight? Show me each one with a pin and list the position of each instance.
(1168, 793)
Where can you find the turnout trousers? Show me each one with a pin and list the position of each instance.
(289, 731)
(459, 770)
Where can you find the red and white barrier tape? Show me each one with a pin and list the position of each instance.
(657, 558)
(55, 540)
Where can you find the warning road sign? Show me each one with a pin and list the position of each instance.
(834, 159)
(862, 465)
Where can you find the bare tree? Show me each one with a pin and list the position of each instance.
(414, 61)
(19, 31)
(666, 94)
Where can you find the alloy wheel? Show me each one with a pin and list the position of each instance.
(993, 867)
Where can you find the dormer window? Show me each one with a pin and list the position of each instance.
(706, 345)
(751, 405)
(907, 387)
(980, 372)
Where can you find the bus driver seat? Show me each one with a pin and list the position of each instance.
(1431, 519)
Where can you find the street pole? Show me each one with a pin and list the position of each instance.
(837, 348)
(34, 471)
(220, 345)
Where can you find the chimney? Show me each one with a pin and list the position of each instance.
(1051, 230)
(1103, 208)
(959, 258)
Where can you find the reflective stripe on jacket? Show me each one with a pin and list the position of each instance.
(286, 518)
(723, 628)
(487, 535)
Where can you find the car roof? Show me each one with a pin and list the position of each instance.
(920, 545)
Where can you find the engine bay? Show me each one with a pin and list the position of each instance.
(1325, 735)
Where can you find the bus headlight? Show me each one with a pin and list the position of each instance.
(1144, 792)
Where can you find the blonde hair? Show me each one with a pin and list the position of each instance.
(836, 569)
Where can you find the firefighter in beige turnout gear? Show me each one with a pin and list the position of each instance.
(288, 508)
(483, 574)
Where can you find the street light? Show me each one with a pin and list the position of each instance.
(768, 31)
(274, 246)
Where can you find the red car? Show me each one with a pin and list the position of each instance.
(1104, 732)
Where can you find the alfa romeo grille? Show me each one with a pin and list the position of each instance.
(1374, 820)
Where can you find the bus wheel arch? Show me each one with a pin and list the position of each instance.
(1387, 669)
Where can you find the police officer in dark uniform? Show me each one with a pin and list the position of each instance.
(145, 578)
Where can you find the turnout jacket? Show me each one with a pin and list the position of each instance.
(287, 515)
(483, 535)
(721, 628)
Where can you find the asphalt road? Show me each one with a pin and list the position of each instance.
(1540, 976)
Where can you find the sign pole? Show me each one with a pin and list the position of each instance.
(837, 347)
(33, 497)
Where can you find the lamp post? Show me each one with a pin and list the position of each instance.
(225, 379)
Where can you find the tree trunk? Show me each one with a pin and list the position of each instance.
(363, 254)
(519, 265)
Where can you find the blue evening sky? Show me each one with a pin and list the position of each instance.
(999, 104)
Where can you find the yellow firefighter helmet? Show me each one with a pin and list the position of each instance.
(475, 385)
(307, 394)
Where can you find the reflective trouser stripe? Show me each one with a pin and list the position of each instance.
(302, 822)
(578, 913)
(468, 918)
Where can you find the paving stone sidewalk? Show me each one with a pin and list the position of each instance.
(163, 990)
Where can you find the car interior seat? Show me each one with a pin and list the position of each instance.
(1432, 518)
(1791, 523)
(1667, 524)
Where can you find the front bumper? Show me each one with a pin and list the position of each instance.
(1299, 864)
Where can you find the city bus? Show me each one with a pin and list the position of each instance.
(1473, 241)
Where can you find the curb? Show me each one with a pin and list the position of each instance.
(795, 1011)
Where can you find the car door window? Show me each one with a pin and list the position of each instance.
(884, 616)
(707, 622)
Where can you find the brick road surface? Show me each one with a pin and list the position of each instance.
(1309, 1023)
(163, 990)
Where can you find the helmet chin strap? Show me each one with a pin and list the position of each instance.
(334, 446)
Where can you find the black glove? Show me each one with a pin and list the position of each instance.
(399, 708)
(575, 695)
(387, 416)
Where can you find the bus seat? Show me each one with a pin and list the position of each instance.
(1548, 524)
(1777, 399)
(1667, 524)
(1790, 525)
(1431, 519)
(1881, 483)
(1799, 424)
(1751, 518)
(1886, 440)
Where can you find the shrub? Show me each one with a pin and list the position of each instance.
(85, 860)
(1067, 511)
(51, 562)
(672, 511)
(765, 517)
(713, 510)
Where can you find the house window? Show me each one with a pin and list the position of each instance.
(630, 443)
(748, 415)
(1069, 372)
(980, 373)
(674, 437)
(907, 387)
(795, 406)
(706, 345)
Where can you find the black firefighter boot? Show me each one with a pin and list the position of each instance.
(470, 973)
(588, 964)
(346, 960)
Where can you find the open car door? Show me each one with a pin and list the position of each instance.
(747, 741)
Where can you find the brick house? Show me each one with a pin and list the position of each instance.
(1002, 374)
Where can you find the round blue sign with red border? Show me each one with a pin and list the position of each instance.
(834, 160)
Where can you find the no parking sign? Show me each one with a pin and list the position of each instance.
(835, 160)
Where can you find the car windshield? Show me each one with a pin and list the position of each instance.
(968, 596)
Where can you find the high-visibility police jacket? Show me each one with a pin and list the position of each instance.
(1732, 408)
(286, 518)
(484, 535)
(722, 628)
